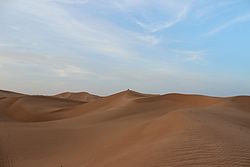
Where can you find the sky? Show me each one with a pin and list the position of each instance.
(107, 46)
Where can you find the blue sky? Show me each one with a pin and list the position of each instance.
(105, 46)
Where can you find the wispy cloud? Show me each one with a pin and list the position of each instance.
(70, 70)
(6, 45)
(237, 20)
(195, 56)
(149, 39)
(190, 55)
(72, 1)
(146, 13)
(92, 34)
(155, 27)
(60, 67)
(210, 9)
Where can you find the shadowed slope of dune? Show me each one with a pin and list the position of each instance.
(241, 102)
(128, 129)
(6, 99)
(33, 108)
(4, 93)
(81, 96)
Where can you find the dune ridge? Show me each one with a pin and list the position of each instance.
(78, 96)
(124, 129)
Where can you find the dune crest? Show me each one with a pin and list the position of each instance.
(124, 129)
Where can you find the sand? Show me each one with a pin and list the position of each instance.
(127, 129)
(78, 96)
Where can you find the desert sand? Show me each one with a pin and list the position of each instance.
(127, 129)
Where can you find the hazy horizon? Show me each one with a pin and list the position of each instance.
(103, 47)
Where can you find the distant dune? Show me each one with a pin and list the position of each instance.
(127, 129)
(81, 96)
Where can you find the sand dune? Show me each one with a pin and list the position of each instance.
(81, 96)
(26, 108)
(4, 93)
(127, 129)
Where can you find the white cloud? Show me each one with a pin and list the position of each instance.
(15, 28)
(5, 45)
(237, 20)
(149, 39)
(190, 55)
(72, 2)
(194, 57)
(70, 70)
(59, 66)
